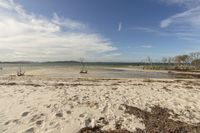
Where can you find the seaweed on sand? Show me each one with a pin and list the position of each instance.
(156, 121)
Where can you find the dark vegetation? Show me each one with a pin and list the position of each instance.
(157, 121)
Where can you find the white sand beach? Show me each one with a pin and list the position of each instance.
(100, 66)
(34, 104)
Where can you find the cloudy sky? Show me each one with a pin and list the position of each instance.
(97, 30)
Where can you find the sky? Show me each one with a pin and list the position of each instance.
(98, 30)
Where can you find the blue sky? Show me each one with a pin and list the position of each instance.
(98, 30)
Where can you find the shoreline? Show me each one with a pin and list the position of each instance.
(100, 72)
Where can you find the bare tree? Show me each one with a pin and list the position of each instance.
(164, 60)
(149, 61)
(178, 60)
(1, 67)
(196, 63)
(182, 59)
(83, 69)
(20, 72)
(195, 56)
(169, 60)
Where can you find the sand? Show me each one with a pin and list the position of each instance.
(65, 105)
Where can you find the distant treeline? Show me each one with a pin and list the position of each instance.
(180, 62)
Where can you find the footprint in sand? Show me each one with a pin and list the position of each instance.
(30, 130)
(68, 112)
(59, 114)
(16, 121)
(36, 117)
(54, 124)
(39, 122)
(25, 114)
(6, 123)
(21, 101)
(48, 106)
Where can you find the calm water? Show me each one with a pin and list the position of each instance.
(97, 70)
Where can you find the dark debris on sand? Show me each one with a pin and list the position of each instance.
(156, 121)
(98, 130)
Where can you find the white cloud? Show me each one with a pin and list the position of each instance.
(152, 31)
(67, 23)
(187, 19)
(26, 36)
(120, 26)
(190, 17)
(184, 25)
(145, 29)
(186, 3)
(146, 46)
(165, 23)
(5, 4)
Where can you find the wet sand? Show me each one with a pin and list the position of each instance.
(67, 105)
(93, 72)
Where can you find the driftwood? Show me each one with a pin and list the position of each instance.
(20, 74)
(83, 70)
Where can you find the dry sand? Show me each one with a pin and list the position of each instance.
(54, 105)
